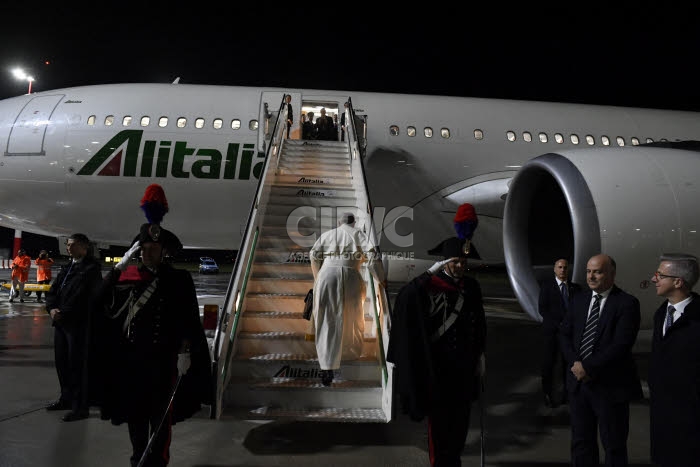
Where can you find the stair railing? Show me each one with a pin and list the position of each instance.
(227, 325)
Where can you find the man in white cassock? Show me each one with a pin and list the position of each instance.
(339, 293)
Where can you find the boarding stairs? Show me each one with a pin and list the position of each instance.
(267, 366)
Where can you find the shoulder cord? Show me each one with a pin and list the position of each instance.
(448, 322)
(135, 307)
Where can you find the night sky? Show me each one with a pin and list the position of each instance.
(644, 55)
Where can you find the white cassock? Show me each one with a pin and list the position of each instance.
(339, 293)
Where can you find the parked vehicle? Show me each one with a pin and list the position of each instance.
(207, 265)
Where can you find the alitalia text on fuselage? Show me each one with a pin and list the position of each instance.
(163, 158)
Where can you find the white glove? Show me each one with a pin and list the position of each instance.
(127, 256)
(439, 265)
(481, 365)
(183, 363)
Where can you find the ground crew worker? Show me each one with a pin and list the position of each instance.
(43, 271)
(20, 274)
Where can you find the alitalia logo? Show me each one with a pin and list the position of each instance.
(293, 372)
(127, 155)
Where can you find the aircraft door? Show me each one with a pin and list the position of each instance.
(29, 129)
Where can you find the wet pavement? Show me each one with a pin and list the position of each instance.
(519, 430)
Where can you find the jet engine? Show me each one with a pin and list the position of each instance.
(632, 203)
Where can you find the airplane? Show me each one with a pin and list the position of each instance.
(548, 180)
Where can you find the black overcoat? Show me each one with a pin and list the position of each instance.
(424, 370)
(674, 388)
(140, 367)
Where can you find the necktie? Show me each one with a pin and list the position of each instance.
(589, 332)
(669, 319)
(565, 293)
(67, 274)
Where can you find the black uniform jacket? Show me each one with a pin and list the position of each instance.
(427, 369)
(551, 303)
(140, 364)
(72, 293)
(611, 368)
(674, 388)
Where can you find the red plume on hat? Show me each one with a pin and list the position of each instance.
(154, 203)
(465, 221)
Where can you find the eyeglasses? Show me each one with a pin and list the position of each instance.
(658, 275)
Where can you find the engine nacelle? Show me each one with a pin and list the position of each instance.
(632, 203)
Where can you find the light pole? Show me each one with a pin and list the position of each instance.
(21, 75)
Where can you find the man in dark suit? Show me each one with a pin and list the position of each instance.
(290, 113)
(674, 370)
(68, 302)
(555, 297)
(596, 338)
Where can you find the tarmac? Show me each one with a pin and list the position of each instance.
(519, 431)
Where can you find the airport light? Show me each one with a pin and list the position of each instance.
(21, 75)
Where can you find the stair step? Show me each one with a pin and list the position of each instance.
(313, 172)
(286, 365)
(288, 341)
(320, 414)
(298, 394)
(283, 269)
(307, 198)
(256, 321)
(275, 285)
(303, 180)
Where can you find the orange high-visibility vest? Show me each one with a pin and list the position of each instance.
(43, 270)
(21, 272)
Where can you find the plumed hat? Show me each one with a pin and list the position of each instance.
(454, 247)
(155, 206)
(465, 221)
(154, 203)
(157, 234)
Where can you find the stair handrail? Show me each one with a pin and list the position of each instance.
(382, 311)
(235, 295)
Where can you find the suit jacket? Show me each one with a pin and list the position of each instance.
(611, 367)
(551, 303)
(674, 388)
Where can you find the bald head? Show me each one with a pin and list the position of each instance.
(600, 273)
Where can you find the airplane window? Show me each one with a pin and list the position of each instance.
(590, 140)
(558, 138)
(574, 139)
(649, 140)
(411, 131)
(199, 123)
(663, 139)
(163, 122)
(235, 124)
(126, 121)
(394, 130)
(527, 136)
(510, 135)
(145, 120)
(620, 141)
(478, 134)
(445, 132)
(91, 120)
(635, 141)
(109, 119)
(253, 125)
(543, 138)
(428, 132)
(181, 122)
(218, 123)
(605, 140)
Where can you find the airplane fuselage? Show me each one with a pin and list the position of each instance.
(79, 159)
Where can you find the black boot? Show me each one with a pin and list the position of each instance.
(326, 377)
